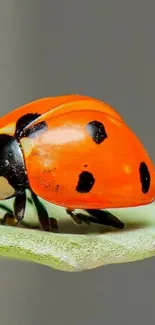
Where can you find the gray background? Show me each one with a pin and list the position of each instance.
(99, 48)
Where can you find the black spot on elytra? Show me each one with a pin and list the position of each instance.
(97, 131)
(24, 121)
(35, 130)
(145, 177)
(85, 165)
(85, 182)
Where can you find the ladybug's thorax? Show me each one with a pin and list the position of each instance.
(13, 176)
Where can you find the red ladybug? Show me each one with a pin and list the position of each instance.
(76, 152)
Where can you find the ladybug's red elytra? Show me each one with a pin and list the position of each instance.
(73, 151)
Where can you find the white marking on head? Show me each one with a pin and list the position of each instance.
(8, 129)
(6, 190)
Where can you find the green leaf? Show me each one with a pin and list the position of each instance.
(78, 248)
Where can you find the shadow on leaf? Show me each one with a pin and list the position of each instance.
(67, 226)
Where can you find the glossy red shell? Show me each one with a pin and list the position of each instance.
(66, 150)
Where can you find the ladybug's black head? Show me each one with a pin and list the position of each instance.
(12, 169)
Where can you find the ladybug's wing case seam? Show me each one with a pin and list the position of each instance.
(38, 107)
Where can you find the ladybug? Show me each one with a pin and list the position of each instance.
(73, 151)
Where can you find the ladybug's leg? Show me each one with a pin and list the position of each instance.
(46, 223)
(19, 210)
(97, 216)
(104, 218)
(78, 218)
(19, 206)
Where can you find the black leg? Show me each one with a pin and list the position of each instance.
(46, 223)
(105, 218)
(97, 216)
(12, 219)
(78, 218)
(19, 206)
